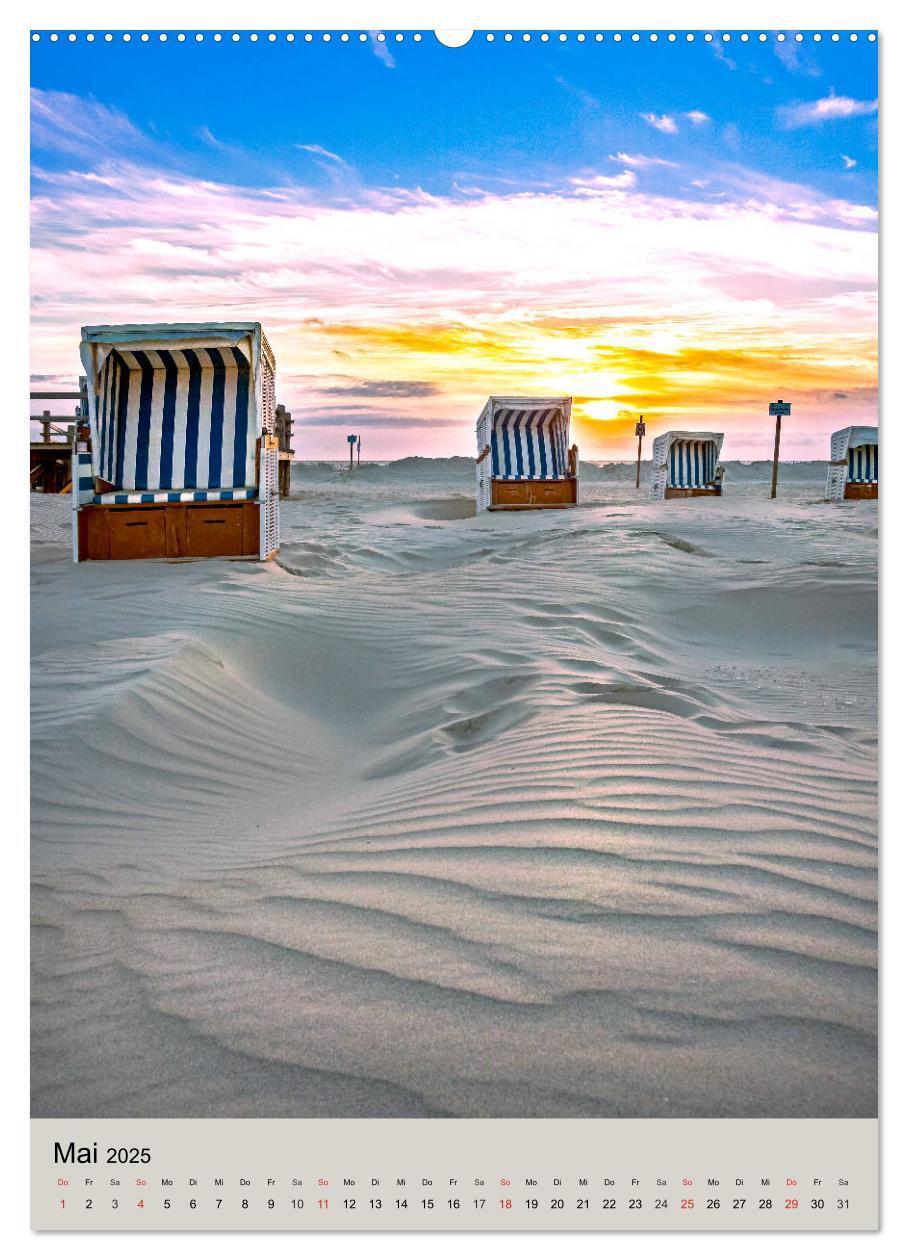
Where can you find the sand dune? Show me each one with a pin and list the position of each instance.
(552, 813)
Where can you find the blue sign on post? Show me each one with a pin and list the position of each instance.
(777, 409)
(351, 438)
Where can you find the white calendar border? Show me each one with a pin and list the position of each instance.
(13, 632)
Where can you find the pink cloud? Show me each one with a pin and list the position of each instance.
(545, 275)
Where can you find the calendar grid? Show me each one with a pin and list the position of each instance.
(454, 1174)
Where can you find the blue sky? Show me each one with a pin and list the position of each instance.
(521, 111)
(589, 139)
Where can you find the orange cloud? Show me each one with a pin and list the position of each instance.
(626, 300)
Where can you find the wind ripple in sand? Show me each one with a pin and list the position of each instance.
(542, 814)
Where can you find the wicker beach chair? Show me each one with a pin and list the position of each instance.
(525, 459)
(854, 464)
(686, 465)
(177, 456)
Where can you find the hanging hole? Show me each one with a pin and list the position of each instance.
(453, 39)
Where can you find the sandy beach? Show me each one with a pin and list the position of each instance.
(555, 813)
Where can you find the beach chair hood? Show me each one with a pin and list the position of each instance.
(853, 458)
(684, 459)
(177, 406)
(521, 439)
(179, 413)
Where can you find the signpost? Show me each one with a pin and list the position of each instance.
(777, 409)
(353, 440)
(640, 430)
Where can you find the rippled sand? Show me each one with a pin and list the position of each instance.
(537, 814)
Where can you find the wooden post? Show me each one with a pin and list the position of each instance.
(777, 409)
(775, 458)
(640, 430)
(283, 424)
(359, 442)
(45, 426)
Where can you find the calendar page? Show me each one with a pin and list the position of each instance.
(454, 470)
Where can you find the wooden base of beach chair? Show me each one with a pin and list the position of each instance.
(168, 531)
(860, 490)
(534, 494)
(676, 492)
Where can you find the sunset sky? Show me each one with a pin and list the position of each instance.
(686, 230)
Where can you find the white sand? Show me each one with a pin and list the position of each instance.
(542, 813)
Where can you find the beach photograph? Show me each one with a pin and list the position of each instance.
(454, 546)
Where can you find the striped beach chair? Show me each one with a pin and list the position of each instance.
(178, 456)
(686, 465)
(854, 464)
(525, 459)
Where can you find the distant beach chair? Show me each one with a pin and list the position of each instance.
(524, 459)
(854, 464)
(686, 465)
(178, 456)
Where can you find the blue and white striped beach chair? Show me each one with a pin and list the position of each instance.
(181, 418)
(525, 459)
(686, 465)
(854, 464)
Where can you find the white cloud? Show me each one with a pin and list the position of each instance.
(207, 136)
(381, 49)
(587, 98)
(80, 125)
(595, 184)
(318, 151)
(667, 124)
(787, 52)
(662, 122)
(850, 162)
(793, 58)
(718, 47)
(827, 109)
(639, 160)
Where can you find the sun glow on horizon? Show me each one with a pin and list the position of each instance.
(396, 312)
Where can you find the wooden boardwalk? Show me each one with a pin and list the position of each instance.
(50, 457)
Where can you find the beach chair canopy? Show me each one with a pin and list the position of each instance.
(853, 459)
(689, 459)
(685, 461)
(528, 437)
(859, 445)
(175, 410)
